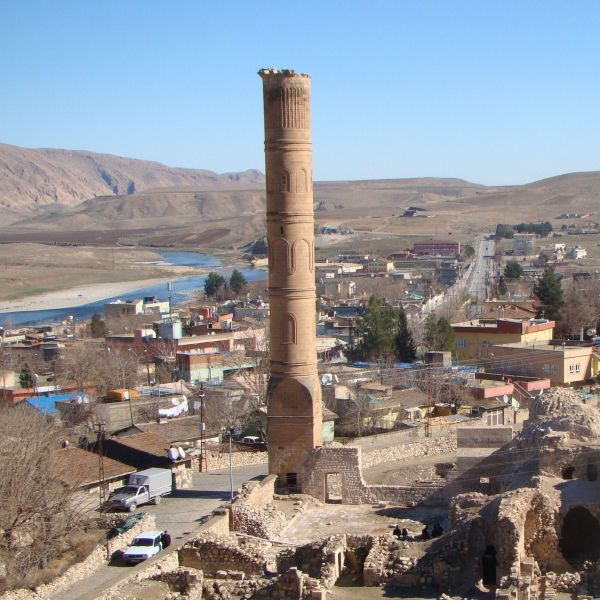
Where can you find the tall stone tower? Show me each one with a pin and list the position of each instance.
(294, 397)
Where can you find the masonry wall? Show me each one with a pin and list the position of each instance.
(334, 460)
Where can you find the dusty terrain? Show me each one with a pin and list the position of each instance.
(30, 178)
(29, 270)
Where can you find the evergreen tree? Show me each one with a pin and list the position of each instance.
(214, 282)
(97, 326)
(549, 291)
(513, 270)
(26, 376)
(237, 281)
(404, 343)
(376, 331)
(439, 334)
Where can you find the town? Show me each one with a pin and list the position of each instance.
(299, 301)
(424, 418)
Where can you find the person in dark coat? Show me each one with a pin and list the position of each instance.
(437, 531)
(166, 539)
(397, 531)
(425, 534)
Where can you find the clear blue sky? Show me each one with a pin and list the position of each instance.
(496, 92)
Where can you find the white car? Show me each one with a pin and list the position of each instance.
(144, 546)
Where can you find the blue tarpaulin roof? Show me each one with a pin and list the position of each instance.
(46, 404)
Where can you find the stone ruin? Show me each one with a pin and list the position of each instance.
(536, 530)
(525, 522)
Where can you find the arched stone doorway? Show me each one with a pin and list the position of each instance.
(579, 536)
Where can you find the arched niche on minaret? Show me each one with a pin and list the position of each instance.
(279, 255)
(289, 329)
(301, 255)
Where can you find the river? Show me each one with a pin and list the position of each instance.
(182, 288)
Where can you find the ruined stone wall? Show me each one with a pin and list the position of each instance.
(258, 493)
(253, 511)
(346, 462)
(212, 554)
(217, 524)
(443, 446)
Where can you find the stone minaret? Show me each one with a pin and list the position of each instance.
(294, 397)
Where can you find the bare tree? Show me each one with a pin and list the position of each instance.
(580, 309)
(36, 512)
(357, 417)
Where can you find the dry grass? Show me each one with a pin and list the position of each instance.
(29, 269)
(78, 547)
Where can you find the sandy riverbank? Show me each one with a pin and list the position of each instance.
(77, 296)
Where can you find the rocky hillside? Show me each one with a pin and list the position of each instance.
(30, 179)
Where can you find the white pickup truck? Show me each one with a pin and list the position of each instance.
(142, 487)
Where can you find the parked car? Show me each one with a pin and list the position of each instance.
(254, 441)
(144, 546)
(142, 487)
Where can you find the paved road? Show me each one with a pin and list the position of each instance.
(179, 514)
(480, 276)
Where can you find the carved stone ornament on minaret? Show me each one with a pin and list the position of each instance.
(294, 396)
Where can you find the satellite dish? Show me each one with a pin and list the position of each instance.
(591, 331)
(505, 399)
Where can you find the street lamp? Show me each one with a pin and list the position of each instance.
(231, 430)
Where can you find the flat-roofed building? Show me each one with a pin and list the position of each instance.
(562, 364)
(436, 248)
(473, 338)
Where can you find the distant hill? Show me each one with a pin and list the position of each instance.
(34, 178)
(64, 196)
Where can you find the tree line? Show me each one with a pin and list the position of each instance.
(504, 230)
(216, 284)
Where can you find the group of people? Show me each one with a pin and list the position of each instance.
(402, 534)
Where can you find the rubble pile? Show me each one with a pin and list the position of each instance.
(266, 522)
(563, 582)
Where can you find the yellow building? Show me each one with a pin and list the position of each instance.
(562, 364)
(473, 338)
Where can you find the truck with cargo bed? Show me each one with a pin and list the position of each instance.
(142, 487)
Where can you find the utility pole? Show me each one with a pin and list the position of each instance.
(203, 458)
(100, 429)
(230, 462)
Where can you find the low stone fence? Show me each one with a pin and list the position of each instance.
(216, 459)
(163, 566)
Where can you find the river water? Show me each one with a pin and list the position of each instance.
(182, 288)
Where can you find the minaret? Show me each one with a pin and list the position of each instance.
(294, 396)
